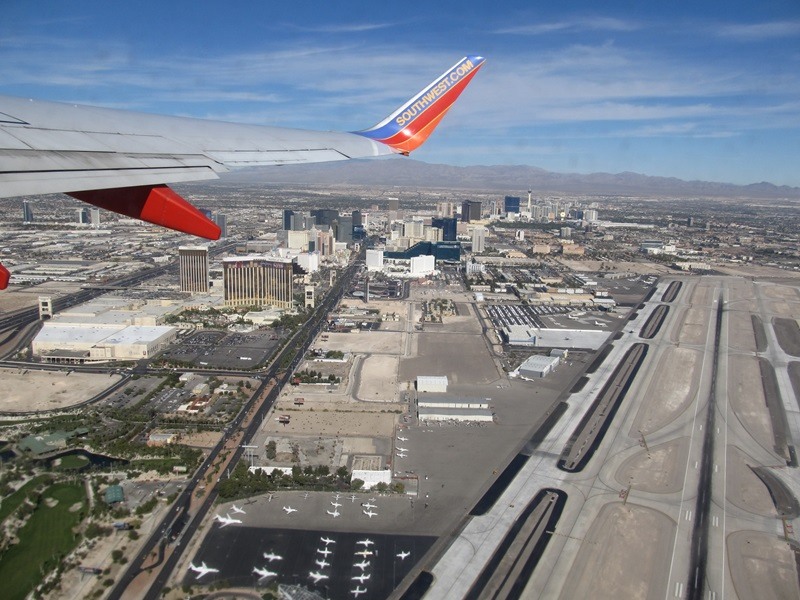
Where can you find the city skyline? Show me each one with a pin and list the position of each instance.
(702, 94)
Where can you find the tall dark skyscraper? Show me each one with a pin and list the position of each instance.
(470, 211)
(449, 227)
(27, 212)
(222, 222)
(288, 219)
(511, 204)
(325, 216)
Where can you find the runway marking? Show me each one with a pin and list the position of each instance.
(715, 521)
(678, 589)
(696, 463)
(688, 515)
(716, 468)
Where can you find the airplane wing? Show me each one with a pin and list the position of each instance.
(121, 160)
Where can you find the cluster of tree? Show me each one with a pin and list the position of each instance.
(243, 483)
(313, 377)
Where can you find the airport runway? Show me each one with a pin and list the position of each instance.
(630, 521)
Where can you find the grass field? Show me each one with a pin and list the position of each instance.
(44, 540)
(71, 462)
(11, 503)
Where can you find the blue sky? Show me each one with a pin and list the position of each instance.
(695, 90)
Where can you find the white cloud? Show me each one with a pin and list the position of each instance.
(760, 31)
(581, 24)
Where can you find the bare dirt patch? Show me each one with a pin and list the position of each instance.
(740, 330)
(388, 342)
(49, 390)
(695, 325)
(616, 561)
(745, 489)
(378, 378)
(671, 390)
(788, 334)
(203, 439)
(659, 471)
(746, 396)
(762, 566)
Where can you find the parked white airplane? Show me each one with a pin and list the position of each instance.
(237, 510)
(401, 455)
(305, 496)
(335, 504)
(369, 505)
(403, 555)
(317, 576)
(289, 510)
(326, 540)
(364, 553)
(322, 563)
(324, 551)
(271, 496)
(333, 513)
(264, 573)
(361, 578)
(599, 324)
(353, 498)
(369, 513)
(399, 449)
(358, 591)
(362, 565)
(226, 520)
(402, 439)
(202, 570)
(270, 556)
(365, 542)
(336, 496)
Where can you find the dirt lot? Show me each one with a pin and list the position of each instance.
(746, 395)
(671, 390)
(49, 390)
(661, 472)
(762, 566)
(745, 489)
(630, 565)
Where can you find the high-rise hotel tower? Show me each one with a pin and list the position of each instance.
(193, 262)
(258, 280)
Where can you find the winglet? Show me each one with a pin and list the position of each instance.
(4, 277)
(410, 125)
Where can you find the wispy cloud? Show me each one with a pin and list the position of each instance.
(582, 24)
(341, 27)
(760, 31)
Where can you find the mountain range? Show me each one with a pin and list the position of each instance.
(509, 179)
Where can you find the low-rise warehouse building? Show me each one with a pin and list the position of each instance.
(82, 343)
(453, 402)
(537, 367)
(455, 414)
(432, 383)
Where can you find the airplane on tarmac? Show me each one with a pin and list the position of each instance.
(353, 498)
(324, 551)
(202, 570)
(365, 542)
(305, 496)
(289, 510)
(226, 520)
(336, 504)
(336, 496)
(362, 565)
(264, 573)
(358, 591)
(237, 510)
(401, 455)
(364, 553)
(402, 439)
(399, 449)
(123, 160)
(270, 556)
(333, 513)
(369, 513)
(317, 576)
(361, 578)
(326, 540)
(369, 505)
(322, 563)
(403, 555)
(271, 496)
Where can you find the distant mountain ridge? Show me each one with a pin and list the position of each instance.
(405, 172)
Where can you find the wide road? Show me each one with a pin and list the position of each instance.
(296, 349)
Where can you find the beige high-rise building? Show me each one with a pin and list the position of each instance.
(258, 280)
(193, 262)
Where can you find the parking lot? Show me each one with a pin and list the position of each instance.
(503, 315)
(216, 349)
